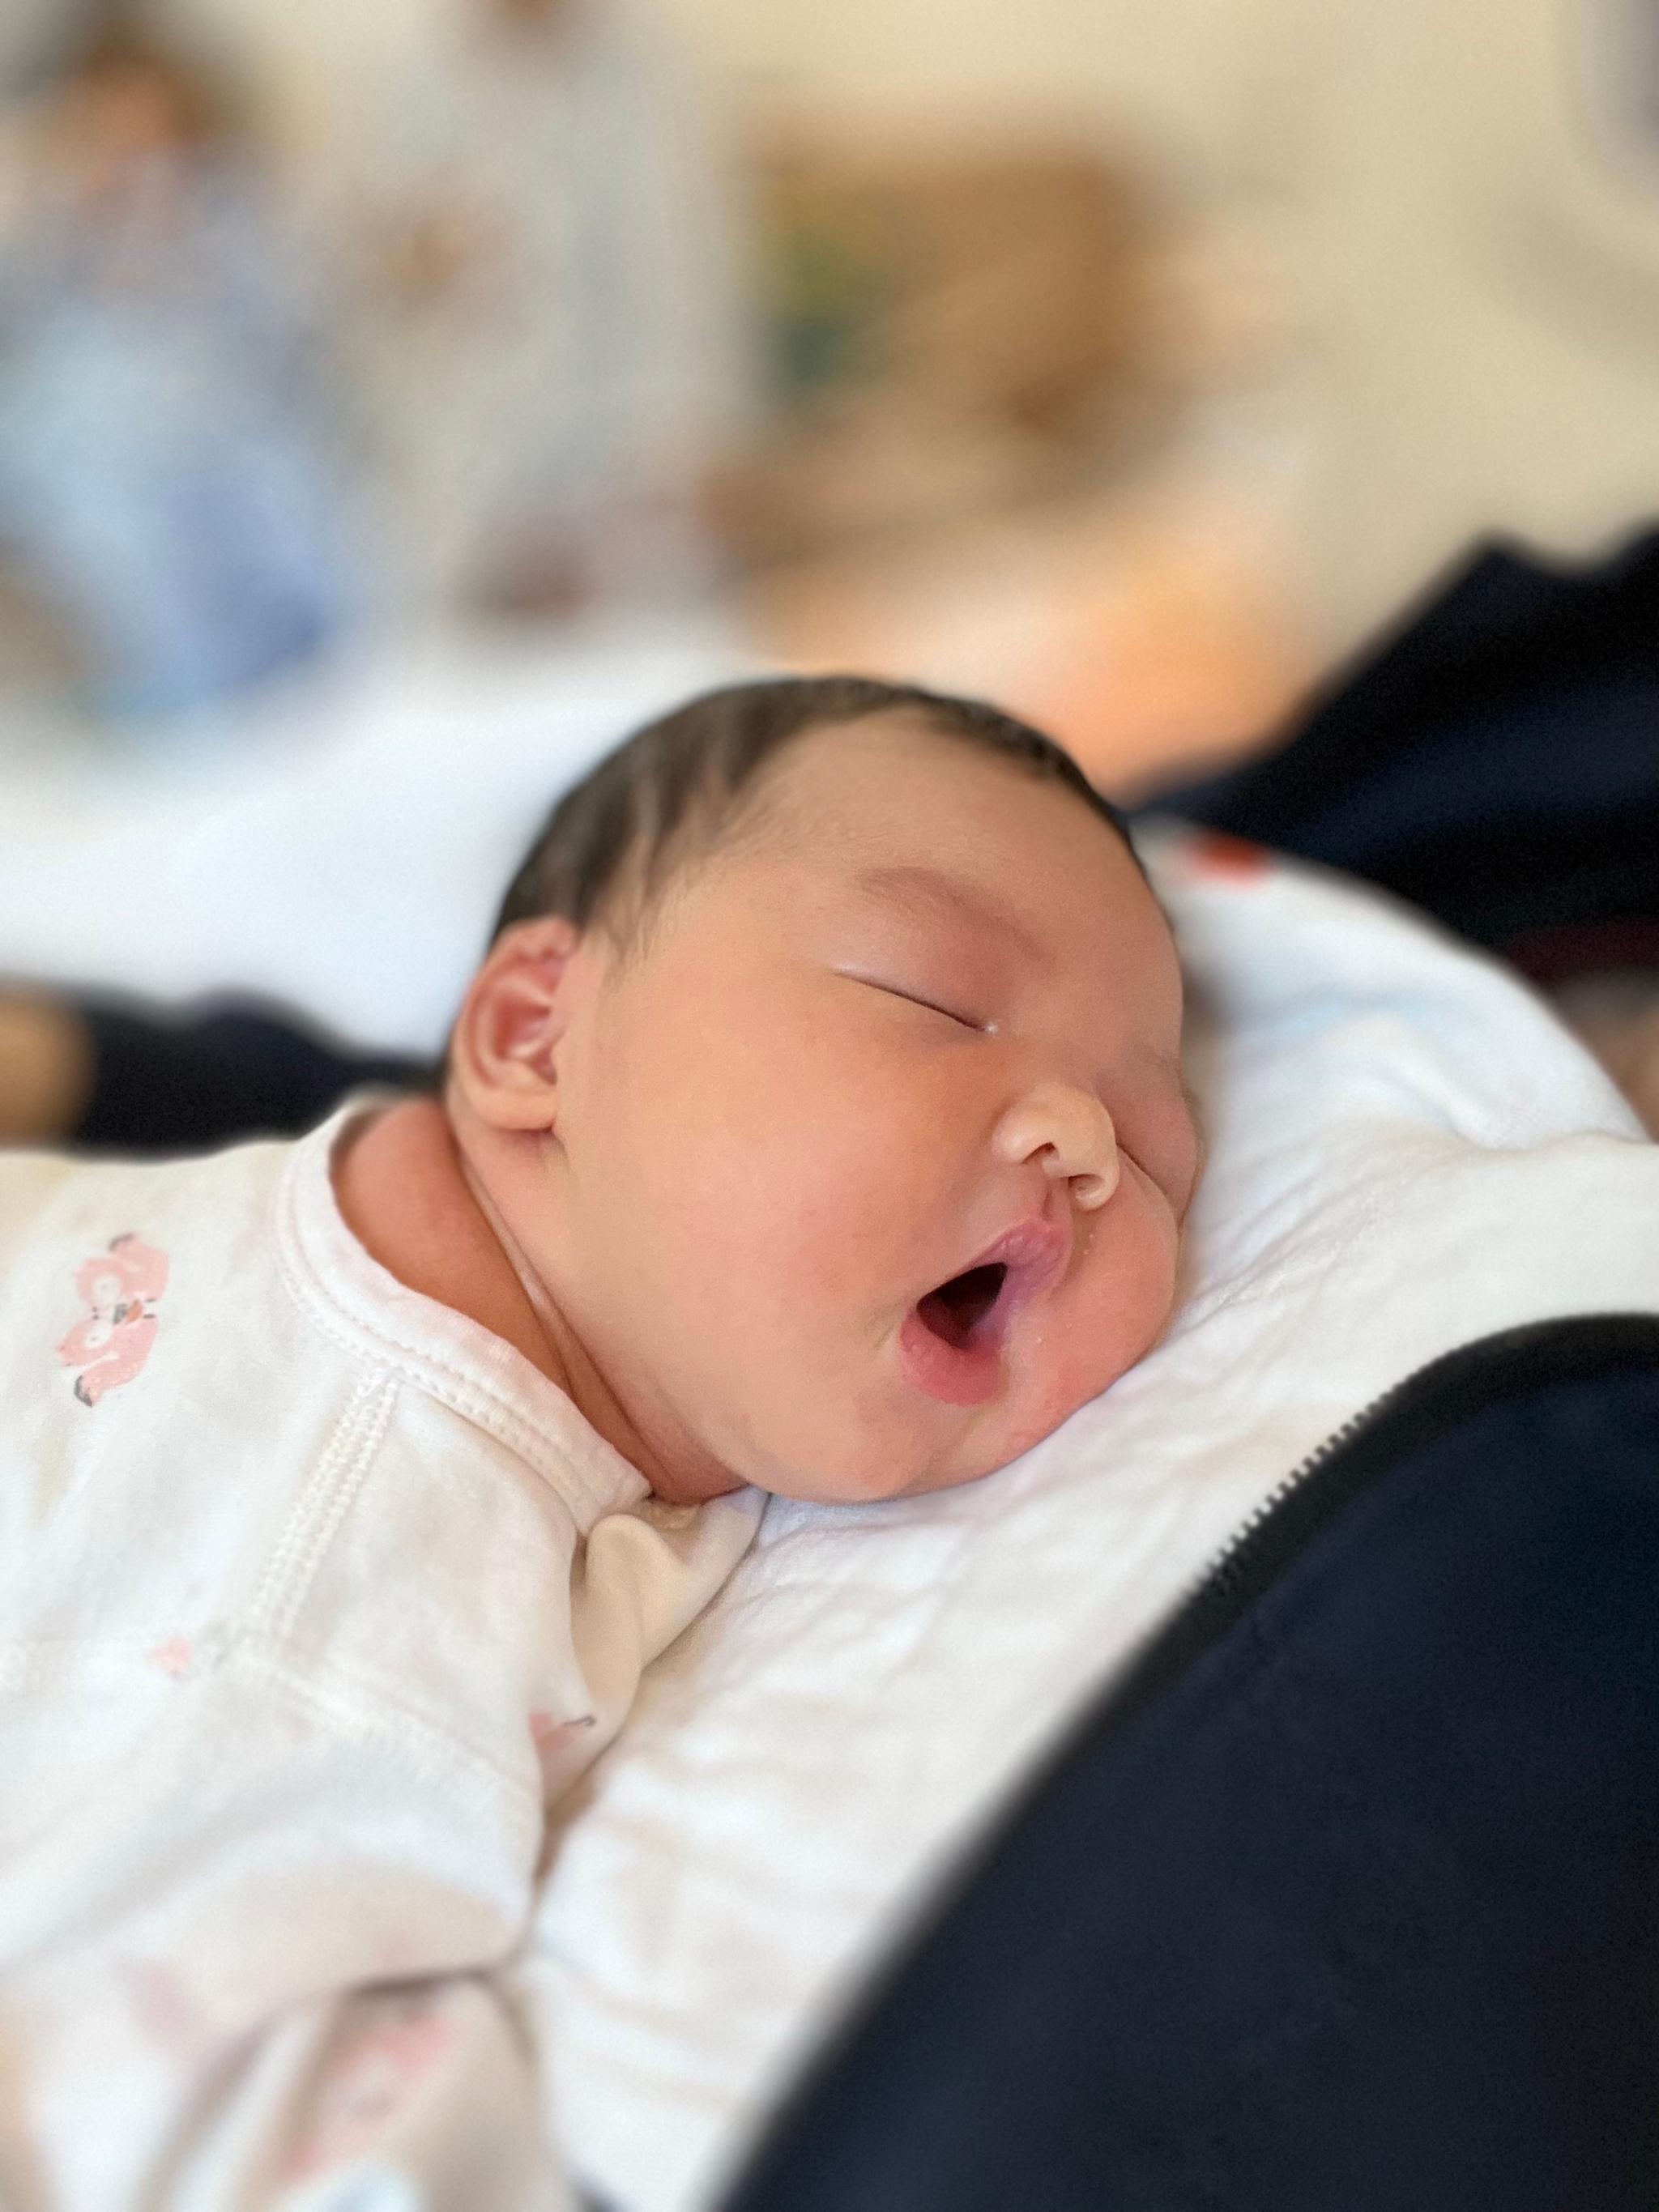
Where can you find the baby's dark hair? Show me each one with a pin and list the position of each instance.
(689, 774)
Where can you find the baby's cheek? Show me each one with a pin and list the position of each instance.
(1130, 1288)
(838, 1212)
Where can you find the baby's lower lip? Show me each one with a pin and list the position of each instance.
(957, 1374)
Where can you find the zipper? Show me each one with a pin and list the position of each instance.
(1232, 1559)
(1244, 1563)
(1415, 1412)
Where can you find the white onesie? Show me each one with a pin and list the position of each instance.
(313, 1595)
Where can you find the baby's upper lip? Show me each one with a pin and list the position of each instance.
(1036, 1250)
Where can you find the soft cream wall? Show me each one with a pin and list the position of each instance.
(1170, 72)
(1178, 74)
(1485, 274)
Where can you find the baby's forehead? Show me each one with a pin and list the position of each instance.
(894, 790)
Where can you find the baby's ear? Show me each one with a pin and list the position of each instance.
(504, 1048)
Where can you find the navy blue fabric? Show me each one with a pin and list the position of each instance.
(1350, 1902)
(1495, 760)
(217, 1076)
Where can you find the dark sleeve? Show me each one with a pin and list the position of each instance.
(1490, 759)
(1344, 1895)
(167, 1084)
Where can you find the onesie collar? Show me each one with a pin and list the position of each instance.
(448, 1355)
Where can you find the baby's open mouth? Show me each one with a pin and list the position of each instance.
(951, 1340)
(955, 1339)
(959, 1311)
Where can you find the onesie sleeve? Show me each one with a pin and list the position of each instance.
(440, 2086)
(419, 2096)
(644, 1575)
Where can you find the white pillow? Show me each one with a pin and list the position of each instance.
(1407, 1153)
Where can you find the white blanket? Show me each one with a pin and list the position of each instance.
(341, 848)
(1408, 1153)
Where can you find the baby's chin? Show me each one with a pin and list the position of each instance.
(899, 1435)
(1028, 1410)
(867, 1471)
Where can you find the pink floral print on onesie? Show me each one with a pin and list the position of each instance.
(397, 2044)
(112, 1343)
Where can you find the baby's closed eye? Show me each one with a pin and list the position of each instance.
(930, 1003)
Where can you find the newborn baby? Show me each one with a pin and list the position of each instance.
(814, 1125)
(815, 1120)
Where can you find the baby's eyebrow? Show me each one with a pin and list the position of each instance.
(914, 886)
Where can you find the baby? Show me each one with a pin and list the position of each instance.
(815, 1120)
(814, 1125)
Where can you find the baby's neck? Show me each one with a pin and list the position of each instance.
(400, 1186)
(408, 1199)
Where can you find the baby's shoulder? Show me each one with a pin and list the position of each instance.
(101, 1259)
(161, 1398)
(50, 1201)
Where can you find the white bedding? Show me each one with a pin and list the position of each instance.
(1407, 1153)
(342, 848)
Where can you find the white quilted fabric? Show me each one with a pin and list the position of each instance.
(1408, 1153)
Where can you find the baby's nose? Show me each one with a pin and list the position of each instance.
(1070, 1134)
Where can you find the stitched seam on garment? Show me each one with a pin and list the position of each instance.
(472, 1399)
(330, 1693)
(358, 1705)
(465, 1395)
(322, 1505)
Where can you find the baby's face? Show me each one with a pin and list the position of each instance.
(874, 1155)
